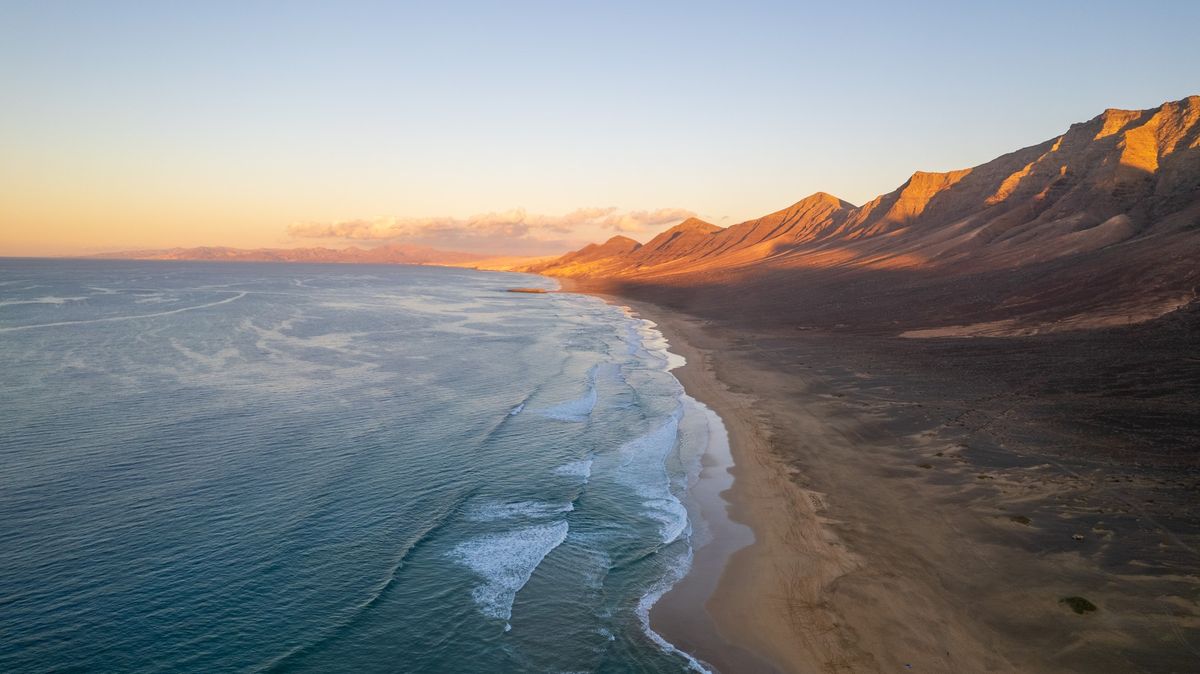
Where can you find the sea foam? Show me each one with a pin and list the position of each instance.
(502, 511)
(42, 300)
(643, 468)
(580, 408)
(506, 561)
(581, 469)
(648, 601)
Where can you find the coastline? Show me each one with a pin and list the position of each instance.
(749, 620)
(749, 590)
(913, 513)
(813, 593)
(847, 572)
(680, 616)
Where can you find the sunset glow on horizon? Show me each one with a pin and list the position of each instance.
(526, 128)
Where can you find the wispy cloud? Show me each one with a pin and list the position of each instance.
(515, 224)
(632, 222)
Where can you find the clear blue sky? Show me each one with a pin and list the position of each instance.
(130, 124)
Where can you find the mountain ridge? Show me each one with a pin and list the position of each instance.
(1125, 181)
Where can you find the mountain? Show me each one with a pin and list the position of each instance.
(675, 242)
(583, 260)
(387, 254)
(1097, 226)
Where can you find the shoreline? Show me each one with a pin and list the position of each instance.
(815, 591)
(680, 615)
(733, 582)
(832, 583)
(837, 579)
(920, 505)
(734, 609)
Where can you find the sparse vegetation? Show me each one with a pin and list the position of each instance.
(1078, 604)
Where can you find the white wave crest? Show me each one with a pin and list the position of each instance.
(505, 562)
(42, 300)
(502, 511)
(650, 598)
(581, 469)
(580, 408)
(643, 467)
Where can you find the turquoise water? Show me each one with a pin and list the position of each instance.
(245, 467)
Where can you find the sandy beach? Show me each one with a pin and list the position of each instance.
(750, 606)
(902, 523)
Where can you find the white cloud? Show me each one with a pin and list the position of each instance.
(640, 221)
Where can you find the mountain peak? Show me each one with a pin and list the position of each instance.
(822, 199)
(694, 225)
(620, 240)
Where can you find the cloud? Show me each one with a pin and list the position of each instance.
(640, 221)
(514, 224)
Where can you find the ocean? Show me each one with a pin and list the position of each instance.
(309, 468)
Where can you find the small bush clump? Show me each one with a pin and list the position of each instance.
(1078, 604)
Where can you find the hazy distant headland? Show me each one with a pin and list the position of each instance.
(385, 254)
(392, 253)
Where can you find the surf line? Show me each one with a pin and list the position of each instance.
(112, 319)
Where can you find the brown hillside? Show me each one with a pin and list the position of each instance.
(1100, 225)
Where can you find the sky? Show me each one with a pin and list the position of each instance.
(528, 128)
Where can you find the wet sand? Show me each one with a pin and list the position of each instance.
(681, 615)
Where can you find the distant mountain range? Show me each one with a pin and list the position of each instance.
(386, 254)
(1096, 226)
